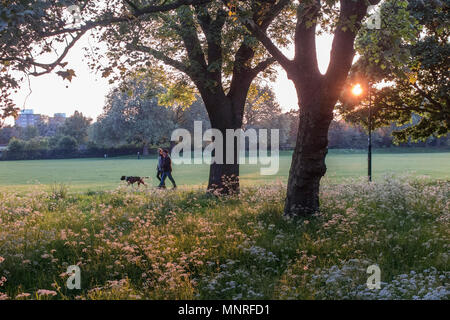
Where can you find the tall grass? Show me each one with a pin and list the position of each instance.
(186, 244)
(59, 191)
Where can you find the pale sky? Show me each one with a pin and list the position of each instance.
(86, 93)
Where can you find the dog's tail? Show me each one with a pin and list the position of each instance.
(145, 177)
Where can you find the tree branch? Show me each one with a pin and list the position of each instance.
(192, 43)
(410, 108)
(160, 56)
(47, 66)
(427, 96)
(262, 66)
(305, 39)
(257, 32)
(136, 10)
(342, 50)
(213, 32)
(141, 12)
(273, 13)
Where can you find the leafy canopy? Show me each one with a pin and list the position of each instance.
(407, 65)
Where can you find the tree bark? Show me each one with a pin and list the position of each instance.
(223, 177)
(225, 107)
(308, 161)
(317, 96)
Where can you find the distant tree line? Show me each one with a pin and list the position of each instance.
(263, 111)
(57, 140)
(343, 135)
(134, 121)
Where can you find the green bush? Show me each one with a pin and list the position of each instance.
(37, 144)
(16, 146)
(67, 144)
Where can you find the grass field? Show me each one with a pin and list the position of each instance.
(186, 244)
(104, 174)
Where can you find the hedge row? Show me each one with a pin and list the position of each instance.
(66, 154)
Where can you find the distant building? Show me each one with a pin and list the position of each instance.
(58, 118)
(27, 118)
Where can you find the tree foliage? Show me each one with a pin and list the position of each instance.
(67, 144)
(317, 93)
(207, 49)
(261, 106)
(36, 35)
(134, 116)
(76, 126)
(409, 56)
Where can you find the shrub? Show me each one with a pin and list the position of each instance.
(67, 144)
(16, 146)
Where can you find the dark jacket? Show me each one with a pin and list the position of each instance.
(166, 164)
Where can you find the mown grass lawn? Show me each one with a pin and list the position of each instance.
(103, 174)
(186, 244)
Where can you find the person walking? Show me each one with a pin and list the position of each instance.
(159, 169)
(167, 170)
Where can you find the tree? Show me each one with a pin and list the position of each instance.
(317, 93)
(67, 144)
(135, 117)
(414, 67)
(206, 50)
(184, 117)
(30, 29)
(29, 132)
(261, 107)
(16, 146)
(262, 111)
(199, 39)
(6, 133)
(48, 128)
(37, 144)
(76, 126)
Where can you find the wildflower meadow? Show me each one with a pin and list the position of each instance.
(187, 244)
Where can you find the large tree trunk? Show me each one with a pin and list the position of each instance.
(223, 177)
(308, 162)
(317, 93)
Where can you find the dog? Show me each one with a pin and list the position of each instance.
(133, 180)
